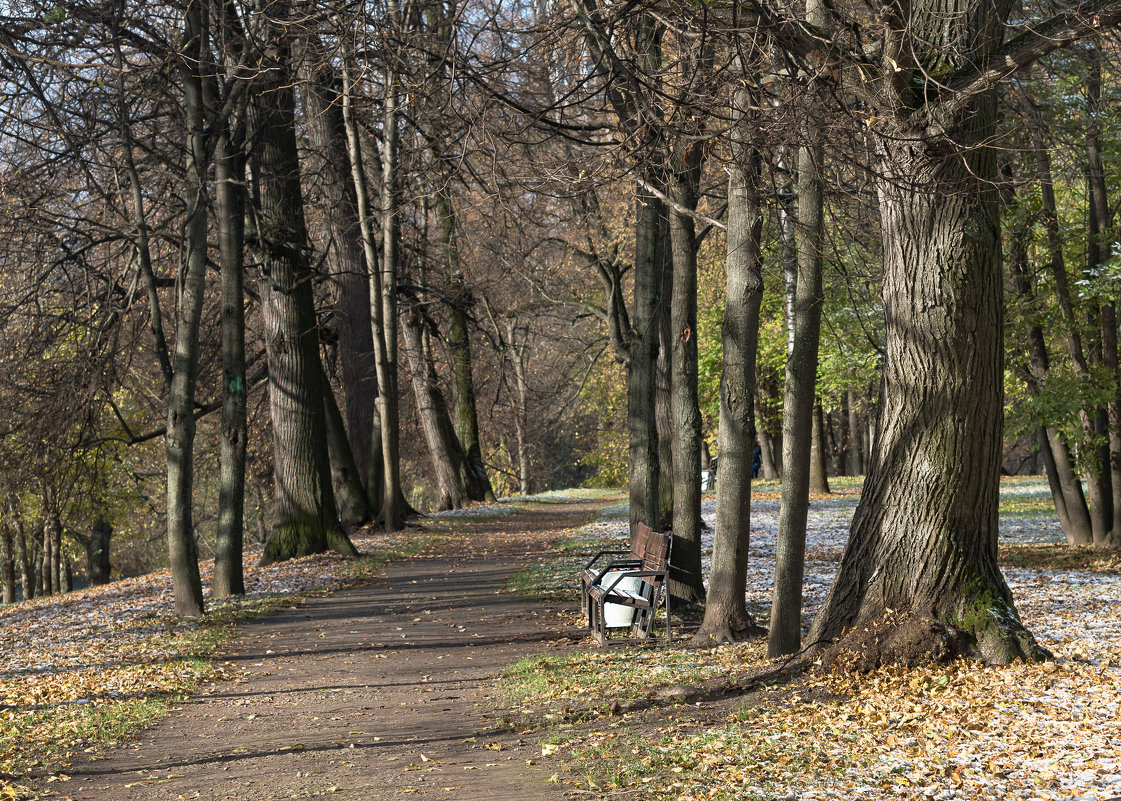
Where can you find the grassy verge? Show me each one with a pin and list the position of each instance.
(51, 719)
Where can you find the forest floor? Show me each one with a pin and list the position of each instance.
(461, 671)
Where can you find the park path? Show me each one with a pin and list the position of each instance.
(375, 692)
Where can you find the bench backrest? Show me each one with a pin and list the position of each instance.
(652, 548)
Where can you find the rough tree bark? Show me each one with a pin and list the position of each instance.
(449, 463)
(726, 617)
(924, 536)
(181, 543)
(304, 520)
(685, 580)
(229, 211)
(346, 259)
(800, 388)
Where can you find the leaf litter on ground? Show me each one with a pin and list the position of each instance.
(1039, 731)
(84, 669)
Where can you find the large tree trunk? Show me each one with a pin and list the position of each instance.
(642, 429)
(448, 462)
(685, 580)
(305, 520)
(799, 393)
(346, 260)
(181, 543)
(726, 616)
(924, 536)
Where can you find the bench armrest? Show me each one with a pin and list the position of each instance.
(595, 558)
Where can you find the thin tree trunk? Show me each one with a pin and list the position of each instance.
(521, 412)
(346, 259)
(23, 553)
(819, 481)
(1096, 476)
(448, 462)
(1110, 359)
(181, 544)
(58, 558)
(46, 558)
(7, 565)
(726, 616)
(1066, 489)
(229, 574)
(768, 466)
(385, 446)
(663, 386)
(685, 580)
(1099, 251)
(305, 520)
(262, 527)
(855, 462)
(459, 343)
(798, 396)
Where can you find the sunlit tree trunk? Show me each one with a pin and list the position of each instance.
(346, 259)
(726, 616)
(924, 536)
(800, 388)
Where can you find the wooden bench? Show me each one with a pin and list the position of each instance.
(601, 583)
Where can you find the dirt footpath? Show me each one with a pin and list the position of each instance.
(376, 692)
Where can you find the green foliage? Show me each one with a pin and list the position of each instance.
(604, 397)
